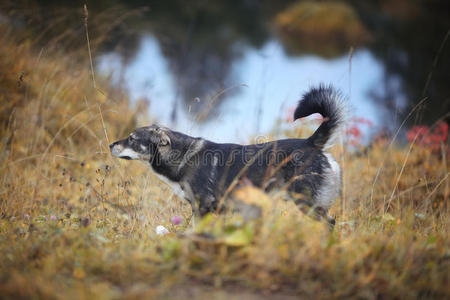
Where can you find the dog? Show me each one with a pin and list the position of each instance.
(204, 172)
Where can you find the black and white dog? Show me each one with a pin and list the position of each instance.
(204, 172)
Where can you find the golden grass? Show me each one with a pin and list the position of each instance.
(76, 223)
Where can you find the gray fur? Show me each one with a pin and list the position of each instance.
(202, 171)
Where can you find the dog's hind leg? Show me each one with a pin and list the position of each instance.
(317, 212)
(322, 214)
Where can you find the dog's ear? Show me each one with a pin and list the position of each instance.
(159, 137)
(164, 139)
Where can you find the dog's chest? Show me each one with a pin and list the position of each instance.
(176, 187)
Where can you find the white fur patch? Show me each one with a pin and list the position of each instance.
(117, 151)
(194, 148)
(334, 165)
(176, 187)
(331, 184)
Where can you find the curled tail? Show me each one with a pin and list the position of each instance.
(328, 102)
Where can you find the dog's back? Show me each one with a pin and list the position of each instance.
(300, 166)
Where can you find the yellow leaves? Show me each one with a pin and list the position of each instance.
(239, 237)
(251, 202)
(78, 273)
(284, 19)
(253, 196)
(236, 238)
(229, 231)
(205, 222)
(321, 27)
(320, 16)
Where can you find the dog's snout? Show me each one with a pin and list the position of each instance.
(112, 145)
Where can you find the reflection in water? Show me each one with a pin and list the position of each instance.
(321, 28)
(182, 54)
(200, 41)
(209, 46)
(274, 83)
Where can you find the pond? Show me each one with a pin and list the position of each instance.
(270, 83)
(229, 70)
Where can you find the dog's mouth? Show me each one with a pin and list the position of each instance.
(124, 152)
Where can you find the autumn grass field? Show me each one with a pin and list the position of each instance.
(75, 223)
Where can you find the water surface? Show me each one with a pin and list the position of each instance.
(269, 87)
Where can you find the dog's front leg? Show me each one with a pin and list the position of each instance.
(194, 207)
(195, 211)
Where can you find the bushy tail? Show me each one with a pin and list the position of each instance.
(328, 102)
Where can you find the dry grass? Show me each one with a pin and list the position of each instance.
(76, 223)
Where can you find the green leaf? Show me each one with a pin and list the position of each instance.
(388, 217)
(205, 223)
(237, 238)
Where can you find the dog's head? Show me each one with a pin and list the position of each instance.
(142, 143)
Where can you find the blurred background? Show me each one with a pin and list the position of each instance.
(230, 70)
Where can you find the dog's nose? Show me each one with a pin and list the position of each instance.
(112, 145)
